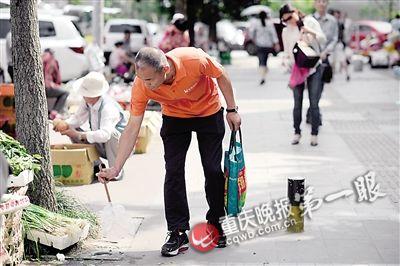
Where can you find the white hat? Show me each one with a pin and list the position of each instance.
(92, 85)
(177, 16)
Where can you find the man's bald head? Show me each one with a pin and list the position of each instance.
(151, 57)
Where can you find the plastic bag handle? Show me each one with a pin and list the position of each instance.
(232, 142)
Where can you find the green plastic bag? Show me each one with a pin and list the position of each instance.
(235, 176)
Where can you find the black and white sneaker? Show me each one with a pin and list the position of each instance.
(221, 238)
(177, 242)
(221, 242)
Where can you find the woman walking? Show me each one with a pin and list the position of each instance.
(310, 32)
(264, 35)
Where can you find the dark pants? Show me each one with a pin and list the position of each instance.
(262, 54)
(176, 134)
(61, 96)
(321, 88)
(314, 94)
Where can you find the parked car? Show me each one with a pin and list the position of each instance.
(369, 35)
(114, 32)
(84, 14)
(228, 33)
(61, 35)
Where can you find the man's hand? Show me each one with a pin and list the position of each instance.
(323, 55)
(234, 120)
(107, 174)
(277, 47)
(72, 133)
(59, 125)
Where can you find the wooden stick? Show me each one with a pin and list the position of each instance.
(108, 193)
(105, 186)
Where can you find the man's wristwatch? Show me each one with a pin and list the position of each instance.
(233, 110)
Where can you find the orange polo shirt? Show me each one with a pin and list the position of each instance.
(193, 92)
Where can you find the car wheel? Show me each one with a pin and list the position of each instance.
(251, 48)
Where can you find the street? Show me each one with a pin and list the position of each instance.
(359, 134)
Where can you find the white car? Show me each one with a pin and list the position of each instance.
(114, 32)
(58, 33)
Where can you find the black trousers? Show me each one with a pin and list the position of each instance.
(176, 134)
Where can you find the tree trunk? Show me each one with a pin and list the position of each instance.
(180, 7)
(191, 16)
(30, 98)
(214, 17)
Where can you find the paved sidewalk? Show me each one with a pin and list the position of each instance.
(360, 132)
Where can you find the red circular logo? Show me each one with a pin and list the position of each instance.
(204, 237)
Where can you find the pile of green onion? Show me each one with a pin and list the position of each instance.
(38, 218)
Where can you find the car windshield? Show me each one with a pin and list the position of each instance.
(120, 28)
(77, 28)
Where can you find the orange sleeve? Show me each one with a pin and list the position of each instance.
(209, 66)
(138, 98)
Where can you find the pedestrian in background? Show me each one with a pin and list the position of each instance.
(176, 34)
(339, 55)
(263, 33)
(182, 81)
(10, 68)
(309, 31)
(396, 22)
(126, 43)
(329, 26)
(52, 83)
(120, 62)
(290, 33)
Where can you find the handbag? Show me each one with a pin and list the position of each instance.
(298, 76)
(304, 55)
(235, 176)
(327, 72)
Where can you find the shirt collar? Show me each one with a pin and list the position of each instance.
(180, 71)
(96, 106)
(319, 17)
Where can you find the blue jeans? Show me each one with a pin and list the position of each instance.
(314, 86)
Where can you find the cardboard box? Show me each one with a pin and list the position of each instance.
(143, 139)
(73, 163)
(6, 89)
(151, 122)
(7, 99)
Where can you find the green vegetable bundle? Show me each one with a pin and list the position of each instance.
(17, 155)
(69, 206)
(38, 218)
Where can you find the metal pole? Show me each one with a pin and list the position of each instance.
(98, 22)
(296, 200)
